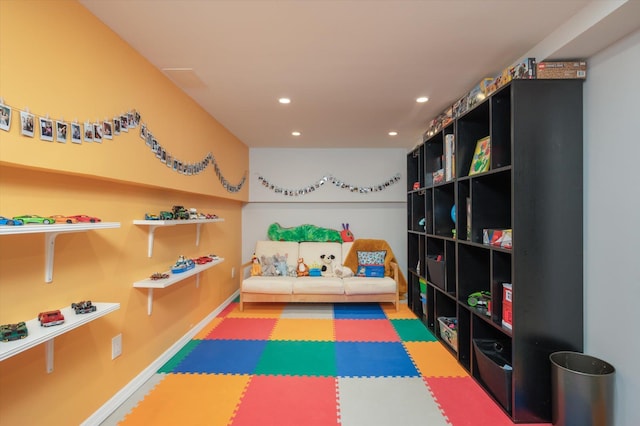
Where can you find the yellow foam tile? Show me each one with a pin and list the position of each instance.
(258, 310)
(304, 329)
(202, 334)
(433, 360)
(403, 311)
(190, 399)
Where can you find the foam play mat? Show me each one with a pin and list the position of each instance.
(315, 364)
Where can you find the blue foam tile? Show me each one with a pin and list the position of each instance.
(358, 311)
(223, 357)
(373, 359)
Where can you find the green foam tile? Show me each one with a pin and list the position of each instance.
(412, 330)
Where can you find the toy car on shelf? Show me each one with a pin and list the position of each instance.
(202, 260)
(85, 219)
(193, 213)
(151, 216)
(10, 222)
(179, 212)
(479, 298)
(159, 276)
(32, 218)
(211, 216)
(58, 218)
(165, 215)
(182, 265)
(50, 318)
(9, 332)
(83, 307)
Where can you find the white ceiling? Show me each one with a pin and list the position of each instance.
(352, 68)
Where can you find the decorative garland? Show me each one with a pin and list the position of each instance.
(328, 178)
(97, 131)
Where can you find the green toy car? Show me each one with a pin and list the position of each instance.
(9, 332)
(32, 218)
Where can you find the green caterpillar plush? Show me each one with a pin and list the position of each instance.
(303, 233)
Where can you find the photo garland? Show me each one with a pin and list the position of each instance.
(98, 131)
(331, 179)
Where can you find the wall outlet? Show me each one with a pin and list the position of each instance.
(116, 346)
(233, 272)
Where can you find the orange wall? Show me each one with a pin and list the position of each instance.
(57, 59)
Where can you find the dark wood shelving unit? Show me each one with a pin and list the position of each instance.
(534, 187)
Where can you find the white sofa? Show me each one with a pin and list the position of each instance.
(322, 289)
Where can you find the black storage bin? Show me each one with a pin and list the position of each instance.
(436, 272)
(491, 357)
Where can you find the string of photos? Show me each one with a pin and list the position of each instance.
(97, 131)
(339, 183)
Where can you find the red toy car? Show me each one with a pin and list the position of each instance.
(85, 219)
(50, 318)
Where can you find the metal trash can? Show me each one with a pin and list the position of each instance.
(582, 389)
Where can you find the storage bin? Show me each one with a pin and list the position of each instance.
(449, 331)
(493, 358)
(435, 269)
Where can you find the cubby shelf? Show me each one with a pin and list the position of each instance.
(150, 284)
(46, 335)
(153, 224)
(50, 233)
(533, 187)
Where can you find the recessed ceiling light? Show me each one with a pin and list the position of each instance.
(296, 133)
(422, 99)
(284, 100)
(393, 133)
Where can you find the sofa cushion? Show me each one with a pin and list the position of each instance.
(363, 285)
(269, 285)
(318, 285)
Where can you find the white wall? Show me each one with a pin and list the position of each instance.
(612, 218)
(379, 215)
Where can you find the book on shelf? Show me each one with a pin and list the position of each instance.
(481, 157)
(449, 157)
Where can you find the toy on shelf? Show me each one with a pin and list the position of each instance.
(202, 260)
(58, 218)
(159, 276)
(479, 298)
(151, 216)
(83, 307)
(10, 332)
(32, 218)
(83, 218)
(50, 318)
(179, 212)
(165, 215)
(10, 222)
(182, 265)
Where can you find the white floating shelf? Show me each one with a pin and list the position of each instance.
(39, 334)
(50, 233)
(173, 278)
(153, 224)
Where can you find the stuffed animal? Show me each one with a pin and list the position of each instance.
(280, 262)
(302, 270)
(268, 268)
(343, 271)
(302, 233)
(327, 266)
(345, 234)
(256, 269)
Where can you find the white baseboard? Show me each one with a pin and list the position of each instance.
(123, 394)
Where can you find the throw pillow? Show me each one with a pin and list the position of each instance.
(371, 263)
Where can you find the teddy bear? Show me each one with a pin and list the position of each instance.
(302, 269)
(268, 268)
(327, 266)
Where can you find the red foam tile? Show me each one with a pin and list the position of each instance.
(243, 329)
(465, 403)
(288, 401)
(356, 330)
(229, 308)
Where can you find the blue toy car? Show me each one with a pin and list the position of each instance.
(10, 222)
